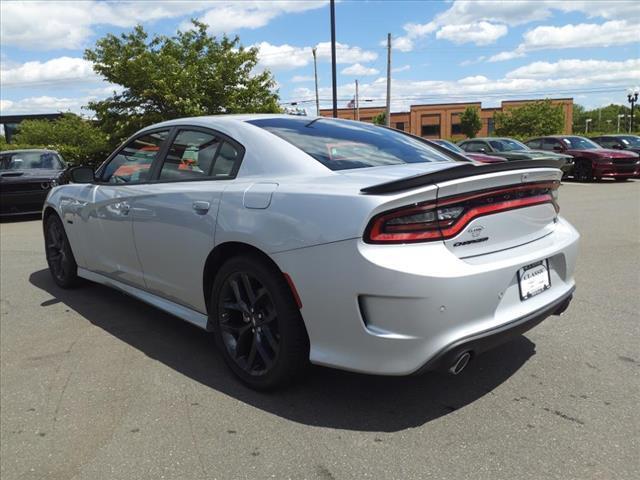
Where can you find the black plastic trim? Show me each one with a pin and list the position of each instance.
(456, 171)
(481, 342)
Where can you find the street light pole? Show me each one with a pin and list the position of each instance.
(315, 74)
(333, 58)
(388, 109)
(622, 115)
(632, 98)
(586, 125)
(357, 103)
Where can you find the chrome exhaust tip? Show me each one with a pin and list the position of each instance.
(460, 364)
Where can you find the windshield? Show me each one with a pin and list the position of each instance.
(451, 146)
(507, 145)
(30, 160)
(341, 145)
(580, 143)
(630, 141)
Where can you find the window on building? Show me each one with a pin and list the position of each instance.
(490, 126)
(430, 126)
(400, 126)
(455, 124)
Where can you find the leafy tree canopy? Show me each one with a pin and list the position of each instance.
(380, 119)
(189, 74)
(77, 139)
(604, 119)
(532, 119)
(470, 122)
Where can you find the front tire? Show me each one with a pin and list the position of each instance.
(62, 263)
(257, 325)
(583, 171)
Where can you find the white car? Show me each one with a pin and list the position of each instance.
(297, 239)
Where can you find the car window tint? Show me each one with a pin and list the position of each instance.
(226, 160)
(474, 146)
(548, 143)
(190, 156)
(132, 163)
(607, 142)
(28, 160)
(340, 144)
(535, 143)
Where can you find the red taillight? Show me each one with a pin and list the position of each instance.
(446, 218)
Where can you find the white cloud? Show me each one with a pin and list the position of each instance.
(57, 70)
(480, 33)
(538, 79)
(302, 78)
(49, 25)
(403, 68)
(286, 56)
(358, 69)
(583, 35)
(43, 104)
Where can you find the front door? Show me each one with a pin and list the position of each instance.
(174, 222)
(107, 214)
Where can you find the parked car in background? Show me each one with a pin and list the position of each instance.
(478, 157)
(511, 149)
(590, 159)
(619, 142)
(26, 176)
(287, 237)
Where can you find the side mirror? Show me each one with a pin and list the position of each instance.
(617, 146)
(81, 174)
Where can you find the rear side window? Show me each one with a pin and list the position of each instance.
(133, 162)
(190, 156)
(341, 145)
(535, 143)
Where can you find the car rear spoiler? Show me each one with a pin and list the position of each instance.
(458, 170)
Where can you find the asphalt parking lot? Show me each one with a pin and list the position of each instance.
(96, 385)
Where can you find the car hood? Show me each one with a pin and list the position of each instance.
(605, 153)
(29, 175)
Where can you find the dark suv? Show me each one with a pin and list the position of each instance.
(590, 159)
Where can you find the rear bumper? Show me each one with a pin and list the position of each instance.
(394, 309)
(484, 341)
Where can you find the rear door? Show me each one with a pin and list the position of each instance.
(174, 222)
(106, 216)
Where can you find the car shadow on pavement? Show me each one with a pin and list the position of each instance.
(326, 398)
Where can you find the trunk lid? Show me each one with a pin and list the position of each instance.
(523, 219)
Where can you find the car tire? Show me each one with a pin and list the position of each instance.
(583, 172)
(257, 324)
(62, 263)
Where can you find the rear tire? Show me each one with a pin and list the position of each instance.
(62, 263)
(257, 325)
(583, 171)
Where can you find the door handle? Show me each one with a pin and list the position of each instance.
(201, 207)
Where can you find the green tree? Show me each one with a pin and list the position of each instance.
(537, 118)
(470, 122)
(77, 139)
(188, 74)
(380, 119)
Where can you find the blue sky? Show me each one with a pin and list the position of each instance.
(442, 51)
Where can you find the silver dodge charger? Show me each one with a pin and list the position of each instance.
(300, 240)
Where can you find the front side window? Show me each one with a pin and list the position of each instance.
(190, 155)
(535, 143)
(341, 145)
(506, 145)
(133, 162)
(630, 141)
(549, 143)
(478, 147)
(608, 142)
(30, 160)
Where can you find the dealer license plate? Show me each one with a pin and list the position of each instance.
(534, 279)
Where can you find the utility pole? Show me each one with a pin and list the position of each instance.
(333, 58)
(315, 73)
(621, 115)
(632, 98)
(388, 115)
(357, 103)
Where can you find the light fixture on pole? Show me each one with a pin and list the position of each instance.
(586, 125)
(632, 98)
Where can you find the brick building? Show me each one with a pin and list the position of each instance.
(442, 120)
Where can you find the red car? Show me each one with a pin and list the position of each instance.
(590, 159)
(478, 157)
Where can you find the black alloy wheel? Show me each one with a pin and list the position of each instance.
(257, 324)
(60, 259)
